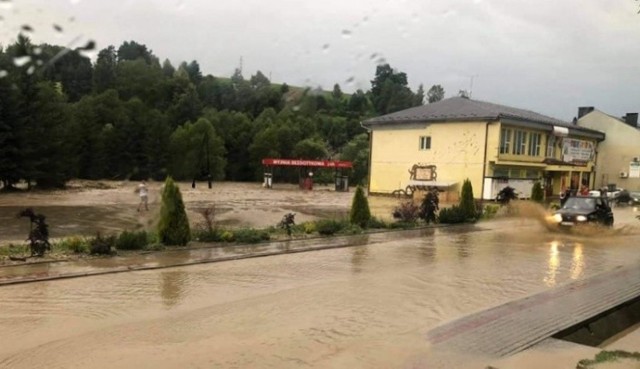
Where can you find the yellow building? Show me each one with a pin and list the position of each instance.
(494, 146)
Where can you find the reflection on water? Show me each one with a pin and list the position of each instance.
(358, 257)
(577, 262)
(554, 263)
(172, 287)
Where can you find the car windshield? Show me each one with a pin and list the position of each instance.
(580, 203)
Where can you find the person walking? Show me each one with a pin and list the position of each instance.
(143, 192)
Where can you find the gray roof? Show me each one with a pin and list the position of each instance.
(462, 108)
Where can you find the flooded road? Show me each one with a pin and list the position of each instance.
(359, 307)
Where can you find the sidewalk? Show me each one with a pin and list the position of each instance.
(35, 272)
(510, 328)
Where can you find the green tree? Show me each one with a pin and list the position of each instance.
(357, 151)
(419, 96)
(104, 76)
(131, 50)
(192, 146)
(467, 203)
(435, 93)
(360, 213)
(173, 227)
(537, 194)
(389, 91)
(310, 148)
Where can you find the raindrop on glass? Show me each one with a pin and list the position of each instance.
(26, 28)
(325, 48)
(58, 28)
(37, 50)
(346, 33)
(72, 19)
(365, 19)
(39, 62)
(31, 70)
(90, 45)
(381, 61)
(373, 56)
(296, 108)
(6, 4)
(3, 73)
(20, 61)
(350, 80)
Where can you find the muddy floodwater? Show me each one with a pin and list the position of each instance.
(366, 306)
(108, 207)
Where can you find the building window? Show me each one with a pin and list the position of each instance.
(551, 143)
(505, 140)
(534, 144)
(519, 142)
(425, 142)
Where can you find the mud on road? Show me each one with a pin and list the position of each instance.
(87, 207)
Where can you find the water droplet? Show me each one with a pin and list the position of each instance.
(296, 108)
(57, 28)
(373, 56)
(31, 70)
(26, 28)
(346, 33)
(6, 4)
(325, 48)
(72, 19)
(3, 73)
(20, 61)
(89, 54)
(90, 45)
(39, 62)
(381, 61)
(37, 50)
(350, 80)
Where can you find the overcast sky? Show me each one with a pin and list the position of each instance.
(550, 56)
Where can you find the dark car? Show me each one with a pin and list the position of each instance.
(584, 209)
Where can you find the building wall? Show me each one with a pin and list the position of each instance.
(616, 152)
(457, 150)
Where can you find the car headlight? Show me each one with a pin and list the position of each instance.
(581, 218)
(557, 218)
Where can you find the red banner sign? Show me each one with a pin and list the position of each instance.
(307, 163)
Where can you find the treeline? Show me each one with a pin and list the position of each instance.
(130, 116)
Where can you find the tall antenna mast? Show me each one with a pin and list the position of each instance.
(471, 85)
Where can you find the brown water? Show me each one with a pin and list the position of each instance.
(361, 307)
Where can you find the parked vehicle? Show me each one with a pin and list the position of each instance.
(579, 210)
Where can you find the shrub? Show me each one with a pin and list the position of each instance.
(101, 245)
(490, 211)
(309, 227)
(467, 204)
(429, 207)
(75, 244)
(328, 227)
(227, 236)
(452, 215)
(537, 194)
(407, 211)
(360, 213)
(402, 225)
(250, 235)
(351, 229)
(132, 240)
(205, 235)
(173, 228)
(377, 223)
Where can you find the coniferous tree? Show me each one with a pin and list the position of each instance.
(173, 228)
(360, 213)
(537, 193)
(467, 204)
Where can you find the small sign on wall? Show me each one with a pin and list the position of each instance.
(634, 170)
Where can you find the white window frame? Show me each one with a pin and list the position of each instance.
(505, 141)
(424, 143)
(534, 144)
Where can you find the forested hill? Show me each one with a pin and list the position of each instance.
(131, 116)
